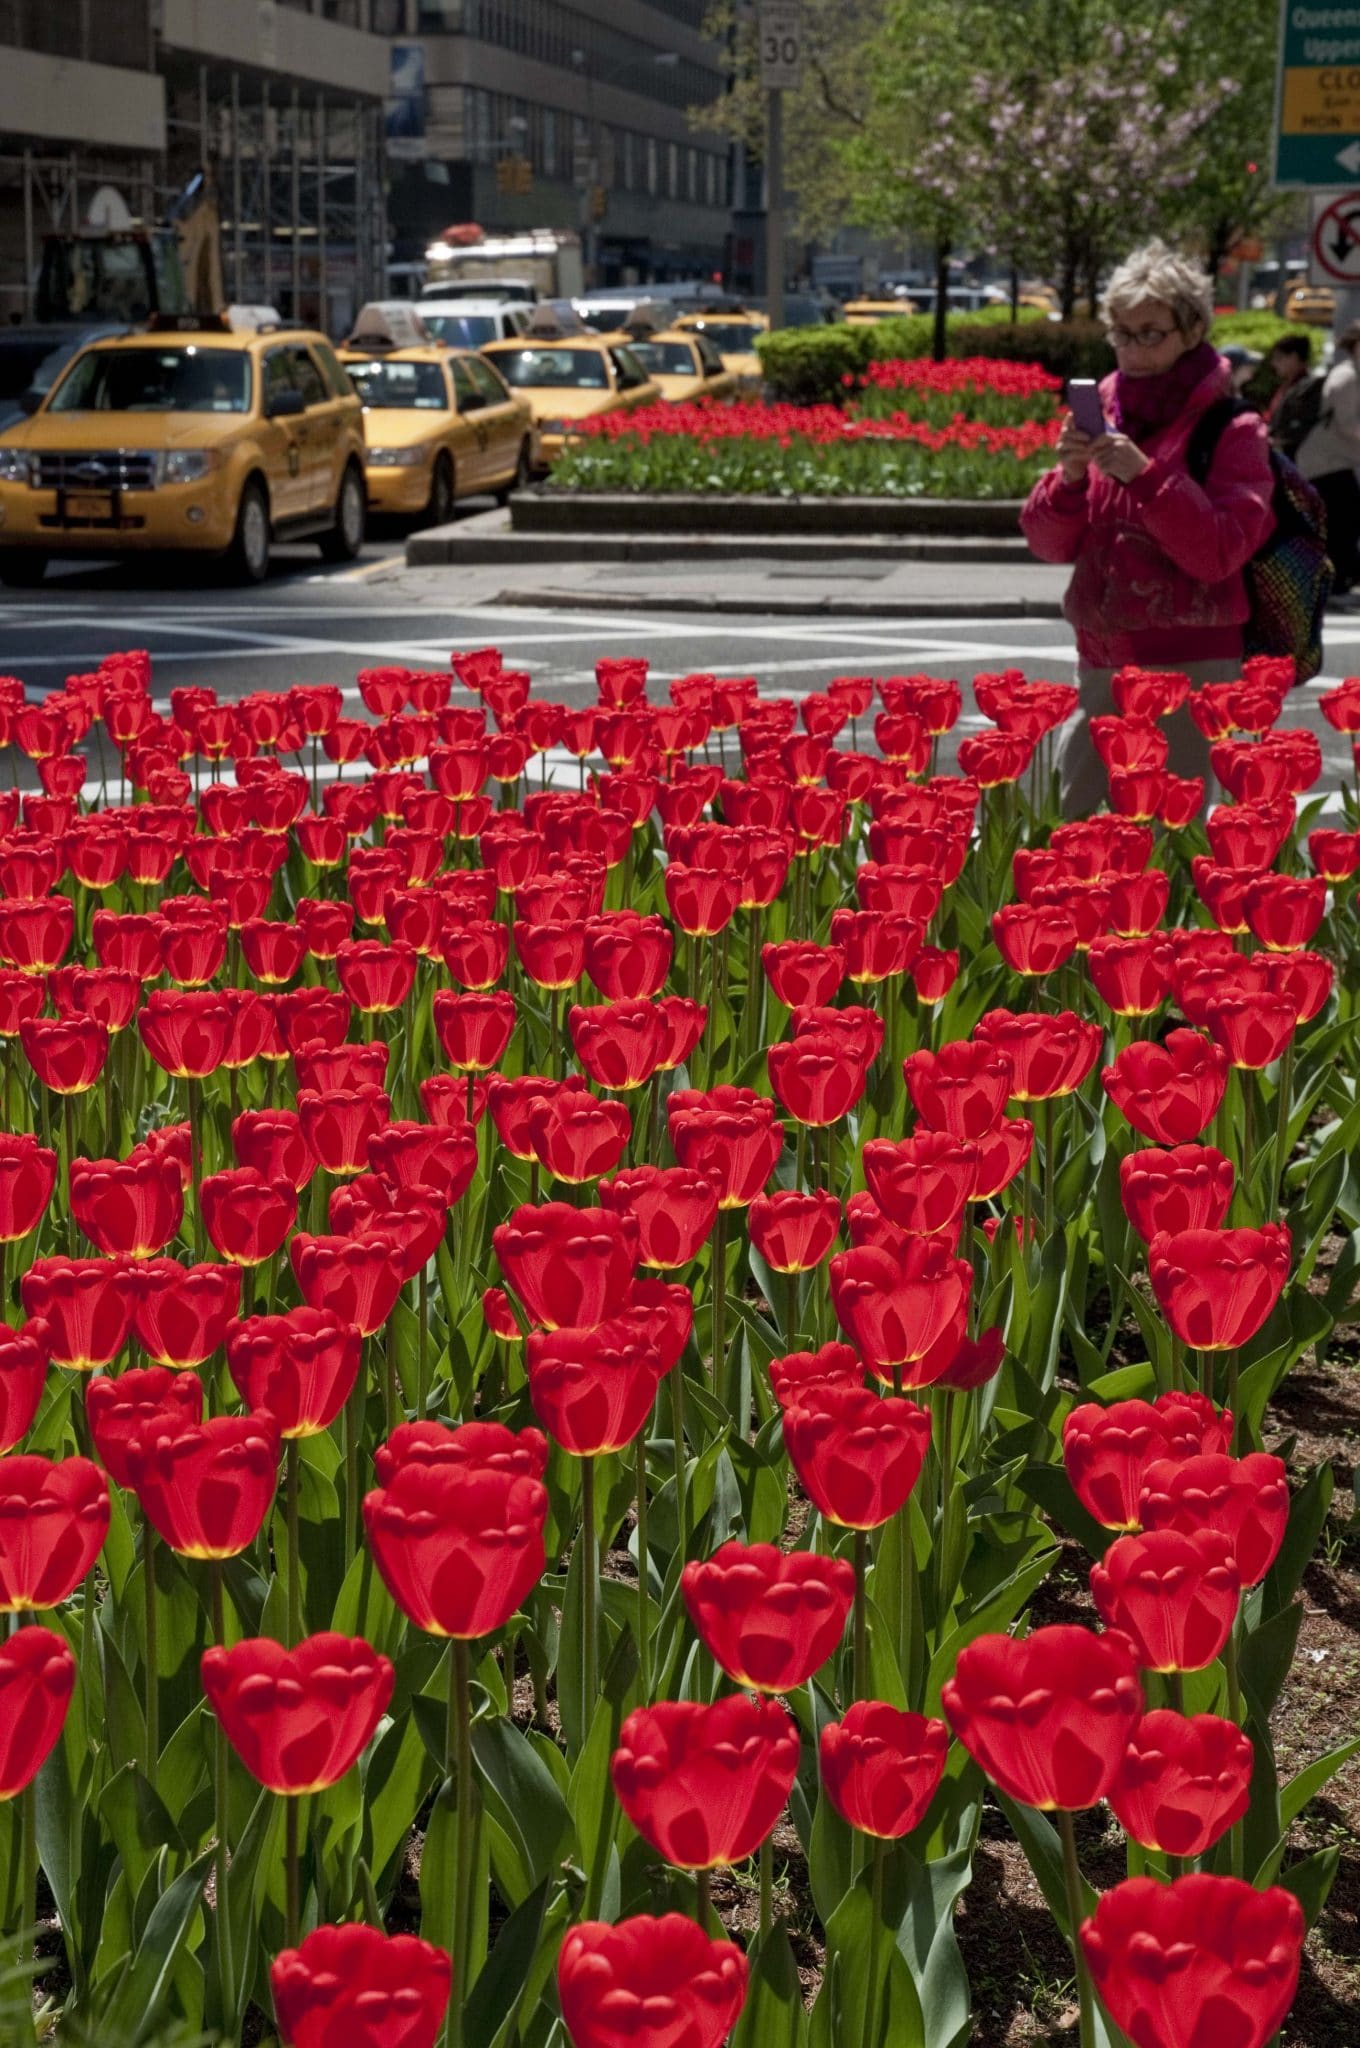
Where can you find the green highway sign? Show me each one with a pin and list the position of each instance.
(1317, 102)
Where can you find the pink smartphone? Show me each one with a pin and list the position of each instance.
(1083, 396)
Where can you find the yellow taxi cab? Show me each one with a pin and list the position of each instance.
(1314, 304)
(734, 335)
(685, 366)
(864, 312)
(440, 423)
(568, 376)
(213, 437)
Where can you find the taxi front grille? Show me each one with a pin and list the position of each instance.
(104, 469)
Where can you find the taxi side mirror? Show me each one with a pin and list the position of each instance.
(285, 405)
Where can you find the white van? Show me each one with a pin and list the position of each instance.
(472, 323)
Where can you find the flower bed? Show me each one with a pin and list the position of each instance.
(910, 439)
(555, 1340)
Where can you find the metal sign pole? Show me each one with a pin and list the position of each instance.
(774, 207)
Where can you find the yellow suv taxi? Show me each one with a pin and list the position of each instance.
(570, 379)
(440, 425)
(734, 335)
(213, 440)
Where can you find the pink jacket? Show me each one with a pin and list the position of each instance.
(1158, 576)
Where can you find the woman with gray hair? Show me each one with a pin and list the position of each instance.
(1158, 558)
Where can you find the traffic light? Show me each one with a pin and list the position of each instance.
(599, 202)
(514, 174)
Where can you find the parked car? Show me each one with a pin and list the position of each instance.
(468, 322)
(1313, 304)
(212, 441)
(571, 377)
(440, 425)
(734, 335)
(683, 364)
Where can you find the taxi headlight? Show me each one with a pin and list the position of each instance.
(185, 465)
(398, 458)
(15, 465)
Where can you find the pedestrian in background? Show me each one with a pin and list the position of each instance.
(1328, 455)
(1158, 559)
(1296, 402)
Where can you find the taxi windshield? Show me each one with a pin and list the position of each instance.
(670, 358)
(461, 330)
(733, 336)
(559, 369)
(156, 380)
(401, 387)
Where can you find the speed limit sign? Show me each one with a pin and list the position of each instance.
(781, 45)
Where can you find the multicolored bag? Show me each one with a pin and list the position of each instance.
(1289, 578)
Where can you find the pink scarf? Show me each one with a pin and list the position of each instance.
(1144, 405)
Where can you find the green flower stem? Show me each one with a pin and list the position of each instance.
(423, 1343)
(590, 1581)
(859, 1663)
(642, 1615)
(875, 1922)
(703, 1902)
(1283, 1095)
(28, 1858)
(675, 1376)
(68, 1117)
(193, 1088)
(226, 1973)
(1236, 1838)
(766, 1887)
(292, 1920)
(1050, 1168)
(718, 1286)
(153, 1662)
(294, 1569)
(458, 1773)
(1072, 1874)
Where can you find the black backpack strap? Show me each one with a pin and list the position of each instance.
(1206, 434)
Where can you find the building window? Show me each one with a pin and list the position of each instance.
(651, 164)
(672, 170)
(440, 17)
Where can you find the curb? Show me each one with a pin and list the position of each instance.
(445, 545)
(693, 513)
(783, 607)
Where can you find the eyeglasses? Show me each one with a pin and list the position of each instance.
(1138, 337)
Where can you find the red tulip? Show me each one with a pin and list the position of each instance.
(1049, 1055)
(701, 901)
(704, 1785)
(770, 1618)
(129, 1207)
(628, 956)
(894, 1308)
(1203, 1959)
(857, 1454)
(552, 954)
(121, 1406)
(298, 1719)
(1253, 1029)
(730, 1136)
(802, 974)
(1244, 1499)
(794, 1229)
(922, 1183)
(1169, 1092)
(1284, 911)
(23, 1371)
(1185, 1780)
(339, 1125)
(620, 1045)
(28, 1174)
(271, 1141)
(472, 1446)
(815, 1078)
(54, 1516)
(247, 1215)
(206, 1487)
(35, 936)
(354, 1985)
(1033, 938)
(357, 1278)
(37, 1678)
(1048, 1716)
(881, 1768)
(569, 1267)
(86, 1305)
(1174, 1596)
(1132, 976)
(301, 1366)
(1108, 1452)
(181, 1314)
(962, 1089)
(376, 977)
(576, 1136)
(685, 1022)
(434, 1160)
(476, 953)
(674, 1210)
(187, 1032)
(1189, 1187)
(832, 1365)
(1217, 1287)
(459, 1546)
(474, 1029)
(592, 1389)
(663, 1982)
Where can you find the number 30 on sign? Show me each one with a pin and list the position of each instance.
(781, 45)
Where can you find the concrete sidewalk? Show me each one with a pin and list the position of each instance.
(480, 560)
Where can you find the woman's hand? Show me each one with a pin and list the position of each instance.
(1117, 456)
(1074, 451)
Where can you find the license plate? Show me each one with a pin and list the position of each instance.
(88, 507)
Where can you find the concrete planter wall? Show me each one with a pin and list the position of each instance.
(549, 511)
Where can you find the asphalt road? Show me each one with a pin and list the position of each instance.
(310, 623)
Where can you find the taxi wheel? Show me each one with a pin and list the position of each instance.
(248, 556)
(439, 510)
(520, 481)
(346, 537)
(22, 568)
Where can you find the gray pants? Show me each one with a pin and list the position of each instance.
(1085, 785)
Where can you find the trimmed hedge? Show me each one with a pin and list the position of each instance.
(810, 365)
